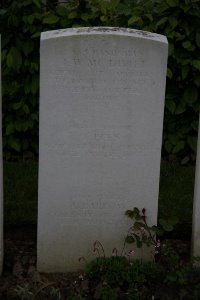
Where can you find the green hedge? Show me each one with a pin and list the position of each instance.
(21, 23)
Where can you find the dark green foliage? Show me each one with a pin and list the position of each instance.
(21, 23)
(118, 278)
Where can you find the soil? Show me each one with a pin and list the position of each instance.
(20, 279)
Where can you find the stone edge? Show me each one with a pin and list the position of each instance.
(103, 30)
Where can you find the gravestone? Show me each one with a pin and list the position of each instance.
(196, 205)
(1, 180)
(101, 114)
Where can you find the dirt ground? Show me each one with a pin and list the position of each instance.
(20, 279)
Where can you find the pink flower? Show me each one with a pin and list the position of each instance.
(131, 253)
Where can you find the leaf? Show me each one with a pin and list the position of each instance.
(172, 3)
(196, 64)
(168, 146)
(173, 220)
(14, 58)
(162, 21)
(187, 45)
(85, 17)
(37, 34)
(130, 239)
(14, 144)
(179, 146)
(185, 160)
(171, 49)
(185, 70)
(37, 3)
(28, 47)
(181, 107)
(195, 124)
(166, 225)
(72, 15)
(139, 225)
(61, 10)
(134, 19)
(169, 73)
(173, 138)
(50, 19)
(192, 142)
(173, 22)
(26, 109)
(10, 128)
(17, 105)
(171, 106)
(190, 95)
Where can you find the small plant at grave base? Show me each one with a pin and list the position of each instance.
(121, 276)
(143, 234)
(23, 292)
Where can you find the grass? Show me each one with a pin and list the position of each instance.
(20, 192)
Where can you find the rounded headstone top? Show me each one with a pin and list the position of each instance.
(103, 31)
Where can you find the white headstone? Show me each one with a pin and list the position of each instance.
(1, 181)
(101, 114)
(196, 205)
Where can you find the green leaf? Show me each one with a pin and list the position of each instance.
(134, 19)
(61, 10)
(187, 45)
(171, 49)
(185, 70)
(30, 19)
(14, 58)
(37, 3)
(173, 22)
(190, 95)
(179, 146)
(196, 64)
(9, 60)
(192, 142)
(169, 73)
(195, 124)
(168, 146)
(162, 21)
(26, 109)
(139, 225)
(72, 15)
(181, 107)
(130, 239)
(10, 128)
(50, 19)
(85, 17)
(173, 138)
(35, 35)
(171, 106)
(172, 3)
(14, 144)
(185, 160)
(28, 47)
(17, 105)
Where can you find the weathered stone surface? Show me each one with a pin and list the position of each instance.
(1, 180)
(101, 115)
